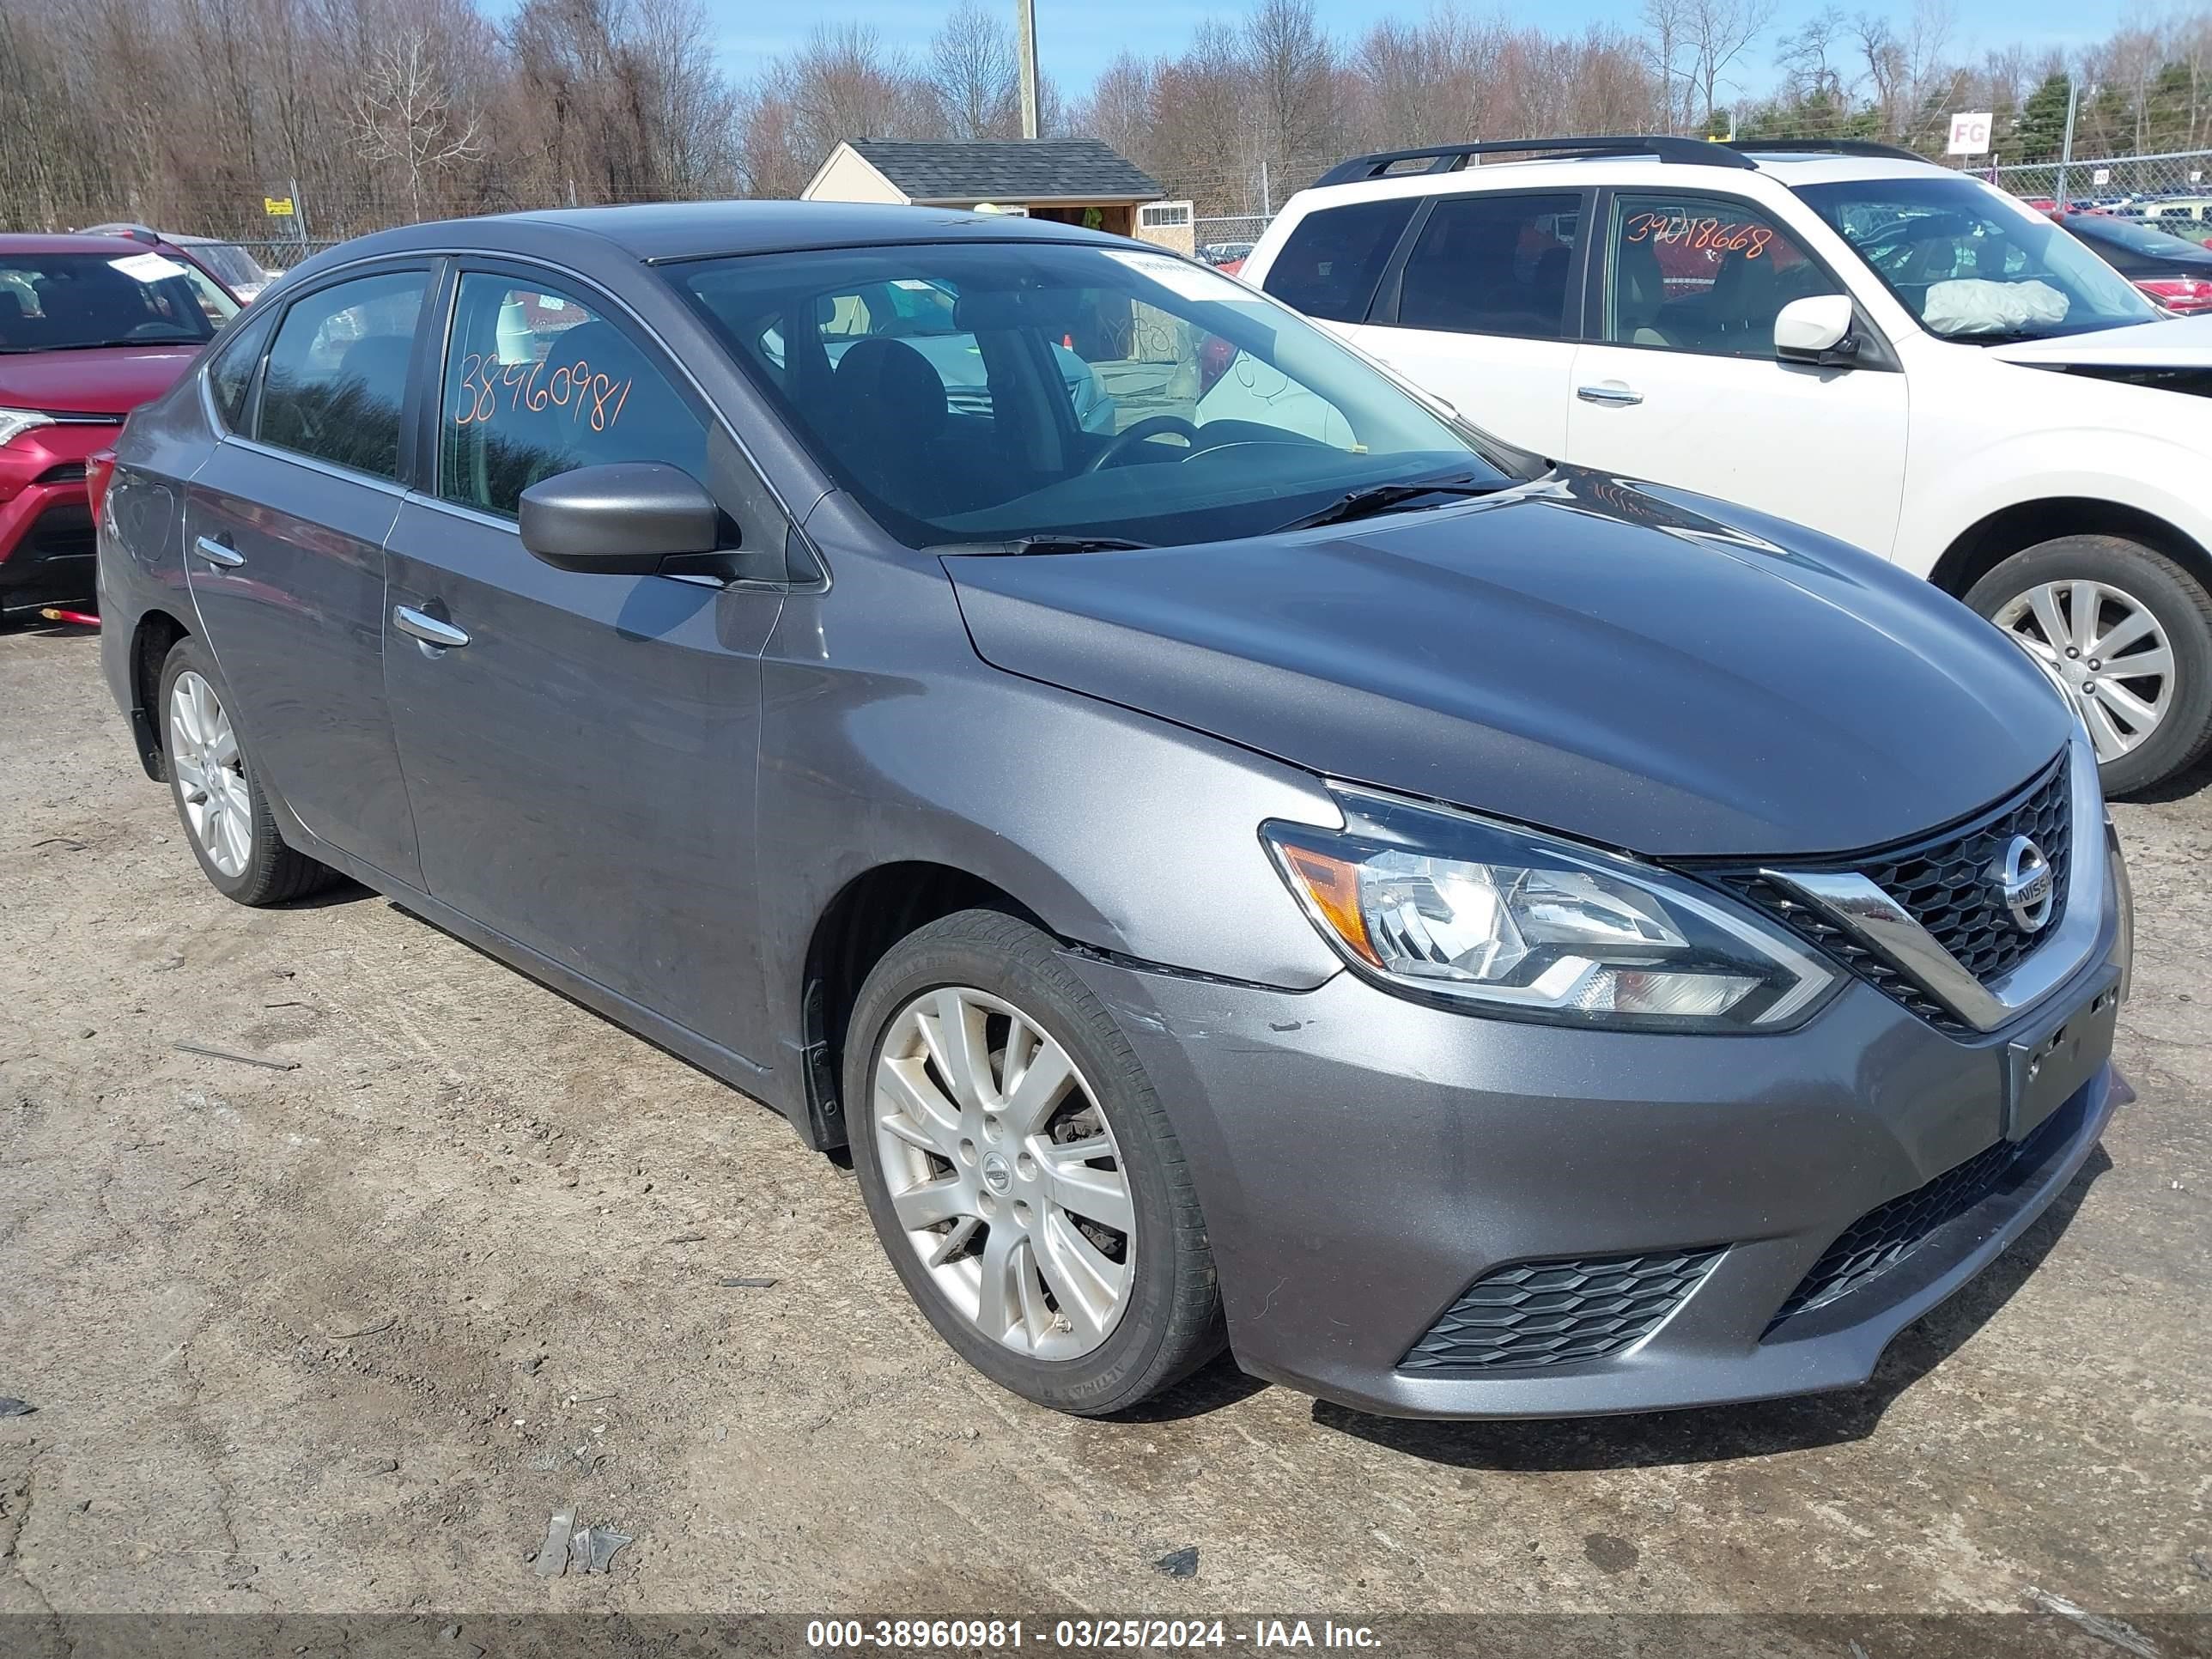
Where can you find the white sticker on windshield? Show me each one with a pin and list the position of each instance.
(147, 268)
(1190, 281)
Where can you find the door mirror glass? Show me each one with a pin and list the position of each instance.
(1815, 327)
(623, 518)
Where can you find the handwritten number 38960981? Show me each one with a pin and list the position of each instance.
(590, 398)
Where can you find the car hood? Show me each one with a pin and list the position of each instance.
(2176, 342)
(111, 380)
(1585, 654)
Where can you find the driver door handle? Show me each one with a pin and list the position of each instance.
(428, 628)
(215, 553)
(1615, 394)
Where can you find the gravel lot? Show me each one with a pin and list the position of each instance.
(341, 1337)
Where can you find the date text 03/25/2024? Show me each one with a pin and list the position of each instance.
(999, 1635)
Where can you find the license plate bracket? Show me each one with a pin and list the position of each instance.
(2043, 1069)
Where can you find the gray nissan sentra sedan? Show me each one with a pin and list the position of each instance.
(1476, 939)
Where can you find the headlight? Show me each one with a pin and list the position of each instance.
(15, 422)
(1445, 904)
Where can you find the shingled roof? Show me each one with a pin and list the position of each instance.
(1010, 171)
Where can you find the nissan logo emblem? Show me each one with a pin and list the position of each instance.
(2023, 879)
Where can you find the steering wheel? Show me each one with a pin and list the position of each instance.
(1152, 426)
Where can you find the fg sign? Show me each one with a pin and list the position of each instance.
(1969, 135)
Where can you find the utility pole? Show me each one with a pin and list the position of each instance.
(1025, 28)
(1267, 199)
(2066, 145)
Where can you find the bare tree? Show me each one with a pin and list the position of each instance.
(1812, 62)
(975, 74)
(403, 113)
(1289, 70)
(1666, 34)
(1717, 33)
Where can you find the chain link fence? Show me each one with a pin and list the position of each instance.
(1236, 230)
(2173, 184)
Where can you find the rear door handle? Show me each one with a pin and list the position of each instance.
(215, 553)
(1618, 396)
(428, 628)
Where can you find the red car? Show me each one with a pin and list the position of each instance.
(90, 327)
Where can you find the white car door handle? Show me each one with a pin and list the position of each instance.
(1620, 396)
(215, 553)
(426, 629)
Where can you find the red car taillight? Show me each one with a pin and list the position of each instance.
(2178, 293)
(99, 469)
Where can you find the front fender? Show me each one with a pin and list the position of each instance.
(2132, 446)
(885, 740)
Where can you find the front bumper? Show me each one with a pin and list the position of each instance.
(46, 547)
(1364, 1159)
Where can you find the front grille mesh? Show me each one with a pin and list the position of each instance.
(1945, 883)
(1558, 1312)
(1889, 1232)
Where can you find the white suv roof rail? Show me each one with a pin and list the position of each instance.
(1450, 158)
(1690, 152)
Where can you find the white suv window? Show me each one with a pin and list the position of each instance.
(1493, 264)
(1704, 274)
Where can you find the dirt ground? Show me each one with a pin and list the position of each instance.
(341, 1338)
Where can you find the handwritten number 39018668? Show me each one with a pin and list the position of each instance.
(589, 398)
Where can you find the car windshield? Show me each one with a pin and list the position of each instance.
(1972, 263)
(999, 391)
(2131, 235)
(232, 263)
(77, 301)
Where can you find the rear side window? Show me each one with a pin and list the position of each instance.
(1493, 264)
(1333, 259)
(338, 372)
(231, 376)
(539, 383)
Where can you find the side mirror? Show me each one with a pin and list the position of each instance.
(625, 519)
(1816, 330)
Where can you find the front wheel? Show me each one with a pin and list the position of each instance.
(2130, 633)
(1021, 1174)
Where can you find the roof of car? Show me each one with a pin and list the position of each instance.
(661, 231)
(1792, 167)
(63, 242)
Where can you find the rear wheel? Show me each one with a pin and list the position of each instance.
(1021, 1174)
(2131, 632)
(222, 805)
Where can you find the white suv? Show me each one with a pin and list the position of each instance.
(1843, 335)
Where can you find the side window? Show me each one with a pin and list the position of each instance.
(539, 383)
(1493, 264)
(1702, 274)
(338, 372)
(1333, 259)
(231, 375)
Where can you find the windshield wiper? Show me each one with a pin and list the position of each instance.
(1046, 545)
(1378, 499)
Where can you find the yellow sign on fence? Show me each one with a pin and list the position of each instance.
(276, 206)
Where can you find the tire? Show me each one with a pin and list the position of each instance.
(2130, 575)
(242, 829)
(1055, 1351)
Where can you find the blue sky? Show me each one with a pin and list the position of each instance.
(1077, 38)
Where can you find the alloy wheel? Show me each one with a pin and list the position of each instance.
(1004, 1173)
(211, 774)
(2109, 648)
